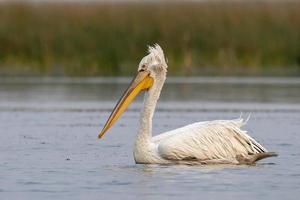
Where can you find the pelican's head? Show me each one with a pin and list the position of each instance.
(154, 62)
(152, 67)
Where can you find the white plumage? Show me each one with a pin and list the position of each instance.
(219, 141)
(210, 142)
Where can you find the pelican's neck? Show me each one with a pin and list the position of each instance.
(150, 100)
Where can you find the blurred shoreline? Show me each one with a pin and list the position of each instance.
(170, 80)
(217, 38)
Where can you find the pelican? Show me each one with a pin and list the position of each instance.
(209, 142)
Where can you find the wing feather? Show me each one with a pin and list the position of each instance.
(213, 140)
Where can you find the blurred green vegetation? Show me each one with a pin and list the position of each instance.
(100, 39)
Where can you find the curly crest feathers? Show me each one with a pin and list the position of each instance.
(157, 52)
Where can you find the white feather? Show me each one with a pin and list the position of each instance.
(220, 140)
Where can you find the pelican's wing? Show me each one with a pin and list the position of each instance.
(158, 138)
(220, 141)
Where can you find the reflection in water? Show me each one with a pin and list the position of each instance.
(203, 91)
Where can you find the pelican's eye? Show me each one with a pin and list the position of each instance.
(143, 68)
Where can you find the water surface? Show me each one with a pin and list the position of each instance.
(49, 150)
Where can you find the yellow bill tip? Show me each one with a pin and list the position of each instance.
(101, 134)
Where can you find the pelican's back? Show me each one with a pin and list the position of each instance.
(220, 141)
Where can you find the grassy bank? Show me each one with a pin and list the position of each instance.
(109, 39)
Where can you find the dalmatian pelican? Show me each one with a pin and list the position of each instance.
(209, 142)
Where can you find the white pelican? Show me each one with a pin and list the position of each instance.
(209, 142)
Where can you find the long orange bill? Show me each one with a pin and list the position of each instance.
(141, 82)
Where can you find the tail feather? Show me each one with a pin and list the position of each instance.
(260, 156)
(251, 159)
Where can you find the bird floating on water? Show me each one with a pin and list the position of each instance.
(209, 142)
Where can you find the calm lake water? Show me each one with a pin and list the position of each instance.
(49, 150)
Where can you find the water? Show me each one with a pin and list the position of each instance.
(49, 150)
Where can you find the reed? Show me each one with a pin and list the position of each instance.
(99, 39)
